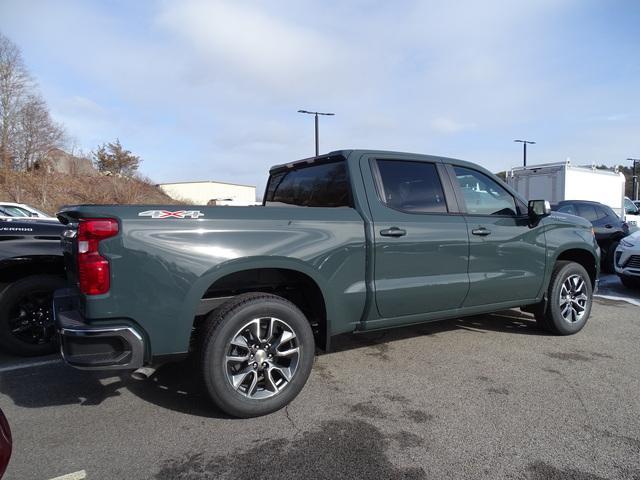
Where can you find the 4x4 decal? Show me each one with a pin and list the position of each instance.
(168, 214)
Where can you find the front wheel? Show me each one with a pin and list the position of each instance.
(569, 300)
(256, 354)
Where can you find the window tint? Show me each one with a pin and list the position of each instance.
(587, 211)
(17, 211)
(412, 187)
(325, 185)
(483, 195)
(630, 207)
(568, 209)
(601, 213)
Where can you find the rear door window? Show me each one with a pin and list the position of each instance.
(630, 207)
(324, 185)
(568, 209)
(588, 212)
(601, 213)
(412, 187)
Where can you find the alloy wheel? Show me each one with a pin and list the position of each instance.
(262, 358)
(573, 299)
(31, 318)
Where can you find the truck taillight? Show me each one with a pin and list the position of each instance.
(93, 269)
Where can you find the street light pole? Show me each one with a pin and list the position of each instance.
(635, 177)
(317, 134)
(524, 144)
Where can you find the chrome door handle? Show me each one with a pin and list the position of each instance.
(393, 232)
(482, 232)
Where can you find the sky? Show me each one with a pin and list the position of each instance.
(209, 90)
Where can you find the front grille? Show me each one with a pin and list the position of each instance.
(633, 262)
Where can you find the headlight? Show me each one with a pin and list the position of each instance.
(626, 243)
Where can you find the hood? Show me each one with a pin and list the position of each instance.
(568, 218)
(634, 237)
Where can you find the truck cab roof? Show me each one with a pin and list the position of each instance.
(334, 155)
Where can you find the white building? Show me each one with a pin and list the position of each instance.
(211, 193)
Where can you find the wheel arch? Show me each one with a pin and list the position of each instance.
(14, 269)
(290, 279)
(583, 257)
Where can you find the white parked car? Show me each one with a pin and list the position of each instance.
(632, 214)
(10, 209)
(627, 260)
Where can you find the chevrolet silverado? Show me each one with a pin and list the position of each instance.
(350, 241)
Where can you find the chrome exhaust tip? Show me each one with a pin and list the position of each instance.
(143, 373)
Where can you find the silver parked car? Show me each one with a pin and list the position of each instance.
(627, 260)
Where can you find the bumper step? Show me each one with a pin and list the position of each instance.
(95, 347)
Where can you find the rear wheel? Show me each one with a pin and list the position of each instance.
(256, 354)
(26, 315)
(569, 300)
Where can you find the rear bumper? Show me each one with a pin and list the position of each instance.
(94, 347)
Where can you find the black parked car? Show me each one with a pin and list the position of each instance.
(608, 227)
(31, 268)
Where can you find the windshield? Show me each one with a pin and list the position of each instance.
(16, 211)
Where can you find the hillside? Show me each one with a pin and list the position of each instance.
(49, 191)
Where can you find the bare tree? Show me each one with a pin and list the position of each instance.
(27, 131)
(35, 134)
(15, 84)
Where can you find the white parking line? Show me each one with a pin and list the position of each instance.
(620, 299)
(72, 476)
(20, 366)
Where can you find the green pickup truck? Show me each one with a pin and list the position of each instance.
(351, 241)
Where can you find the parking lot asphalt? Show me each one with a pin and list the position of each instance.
(483, 397)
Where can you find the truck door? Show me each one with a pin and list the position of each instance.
(506, 257)
(421, 250)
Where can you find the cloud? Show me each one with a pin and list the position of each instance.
(447, 125)
(210, 89)
(253, 46)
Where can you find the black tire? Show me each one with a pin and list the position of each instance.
(630, 282)
(608, 264)
(40, 337)
(551, 318)
(227, 323)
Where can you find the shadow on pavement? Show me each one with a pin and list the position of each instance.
(54, 385)
(177, 386)
(508, 321)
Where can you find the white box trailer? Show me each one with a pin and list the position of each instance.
(562, 181)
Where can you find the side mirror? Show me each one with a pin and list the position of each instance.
(538, 209)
